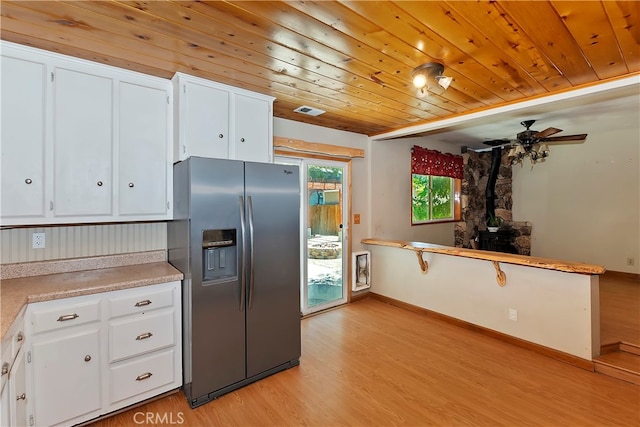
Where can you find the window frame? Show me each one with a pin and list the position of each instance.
(456, 208)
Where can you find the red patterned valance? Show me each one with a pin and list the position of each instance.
(432, 162)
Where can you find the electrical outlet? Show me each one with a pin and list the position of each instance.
(630, 261)
(38, 240)
(513, 314)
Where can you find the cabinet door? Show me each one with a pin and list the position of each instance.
(4, 406)
(67, 371)
(252, 138)
(17, 392)
(205, 122)
(83, 122)
(143, 117)
(23, 137)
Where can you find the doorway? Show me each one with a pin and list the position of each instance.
(324, 216)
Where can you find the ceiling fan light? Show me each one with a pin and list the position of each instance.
(444, 81)
(419, 80)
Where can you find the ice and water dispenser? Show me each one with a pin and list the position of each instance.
(219, 255)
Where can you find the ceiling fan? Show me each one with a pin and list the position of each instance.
(531, 143)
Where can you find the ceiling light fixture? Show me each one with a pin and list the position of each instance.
(536, 152)
(424, 72)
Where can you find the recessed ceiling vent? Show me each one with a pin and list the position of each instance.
(309, 111)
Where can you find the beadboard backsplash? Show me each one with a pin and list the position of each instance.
(81, 241)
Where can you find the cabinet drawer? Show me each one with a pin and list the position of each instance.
(141, 375)
(53, 315)
(141, 334)
(139, 302)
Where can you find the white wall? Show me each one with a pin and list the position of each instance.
(391, 192)
(554, 309)
(584, 200)
(359, 167)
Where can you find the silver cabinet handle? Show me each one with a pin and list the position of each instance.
(87, 358)
(21, 397)
(66, 317)
(144, 376)
(144, 336)
(20, 337)
(142, 303)
(28, 181)
(5, 368)
(99, 183)
(131, 185)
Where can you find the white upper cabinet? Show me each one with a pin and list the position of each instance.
(221, 121)
(144, 162)
(23, 137)
(82, 142)
(203, 121)
(252, 121)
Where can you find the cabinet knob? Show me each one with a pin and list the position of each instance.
(28, 181)
(20, 337)
(87, 358)
(131, 185)
(21, 397)
(220, 136)
(99, 183)
(241, 139)
(5, 368)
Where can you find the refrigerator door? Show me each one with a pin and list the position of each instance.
(217, 311)
(273, 282)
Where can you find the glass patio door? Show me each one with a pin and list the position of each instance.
(324, 234)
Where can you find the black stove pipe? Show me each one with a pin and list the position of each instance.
(490, 192)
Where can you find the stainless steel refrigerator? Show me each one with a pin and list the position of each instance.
(236, 237)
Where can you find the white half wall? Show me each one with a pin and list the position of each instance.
(584, 200)
(554, 309)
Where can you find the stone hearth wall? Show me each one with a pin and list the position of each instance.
(473, 209)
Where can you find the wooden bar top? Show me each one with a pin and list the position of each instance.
(529, 261)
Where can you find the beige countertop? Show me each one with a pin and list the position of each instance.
(15, 293)
(529, 261)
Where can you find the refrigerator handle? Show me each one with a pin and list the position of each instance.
(243, 284)
(251, 254)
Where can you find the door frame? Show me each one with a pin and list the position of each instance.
(302, 160)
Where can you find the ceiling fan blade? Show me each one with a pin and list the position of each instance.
(580, 137)
(547, 132)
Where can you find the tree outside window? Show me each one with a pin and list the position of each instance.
(432, 198)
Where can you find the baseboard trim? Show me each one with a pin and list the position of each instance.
(622, 275)
(545, 351)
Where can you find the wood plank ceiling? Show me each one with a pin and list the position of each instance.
(351, 58)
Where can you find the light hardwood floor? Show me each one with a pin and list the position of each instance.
(619, 309)
(372, 364)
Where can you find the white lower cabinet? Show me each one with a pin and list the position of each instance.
(14, 394)
(67, 373)
(92, 355)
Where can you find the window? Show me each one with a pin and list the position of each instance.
(435, 186)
